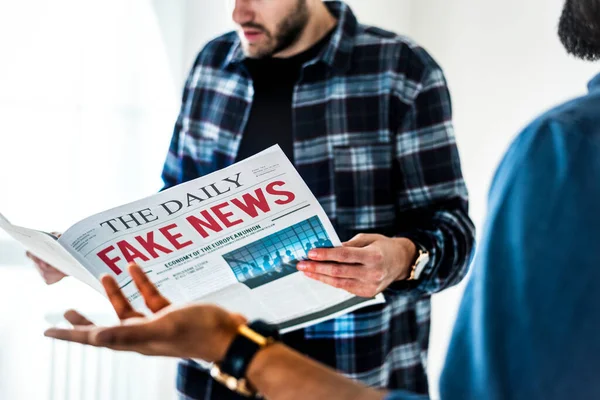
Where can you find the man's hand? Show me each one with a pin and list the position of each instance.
(365, 266)
(194, 331)
(49, 274)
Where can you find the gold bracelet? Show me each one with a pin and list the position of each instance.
(240, 386)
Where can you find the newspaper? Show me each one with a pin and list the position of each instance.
(231, 238)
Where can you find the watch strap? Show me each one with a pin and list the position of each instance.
(245, 345)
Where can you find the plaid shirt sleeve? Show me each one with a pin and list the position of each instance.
(433, 205)
(177, 167)
(171, 172)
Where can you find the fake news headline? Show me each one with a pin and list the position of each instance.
(204, 223)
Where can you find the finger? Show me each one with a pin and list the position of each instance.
(353, 286)
(361, 240)
(34, 258)
(346, 255)
(77, 335)
(89, 337)
(45, 267)
(333, 270)
(340, 283)
(41, 264)
(49, 276)
(118, 300)
(77, 319)
(148, 348)
(153, 298)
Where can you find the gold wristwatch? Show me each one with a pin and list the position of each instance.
(419, 265)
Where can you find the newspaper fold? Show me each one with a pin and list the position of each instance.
(231, 238)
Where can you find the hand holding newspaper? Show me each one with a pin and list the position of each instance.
(232, 238)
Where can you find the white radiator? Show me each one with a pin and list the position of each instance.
(33, 367)
(87, 373)
(80, 372)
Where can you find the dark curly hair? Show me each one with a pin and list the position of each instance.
(579, 28)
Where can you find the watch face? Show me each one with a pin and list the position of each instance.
(421, 263)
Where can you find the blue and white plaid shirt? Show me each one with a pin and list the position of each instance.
(374, 141)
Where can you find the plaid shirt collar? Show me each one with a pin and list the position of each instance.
(337, 54)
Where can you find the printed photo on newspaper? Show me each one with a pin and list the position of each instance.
(231, 238)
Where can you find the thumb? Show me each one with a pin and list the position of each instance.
(360, 240)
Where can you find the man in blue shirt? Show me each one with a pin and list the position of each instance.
(529, 321)
(530, 317)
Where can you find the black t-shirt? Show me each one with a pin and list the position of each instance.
(270, 120)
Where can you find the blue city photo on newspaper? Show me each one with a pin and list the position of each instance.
(275, 256)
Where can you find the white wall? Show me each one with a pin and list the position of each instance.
(393, 15)
(505, 65)
(87, 107)
(205, 19)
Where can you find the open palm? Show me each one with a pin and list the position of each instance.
(191, 331)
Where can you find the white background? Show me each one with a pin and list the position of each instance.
(83, 82)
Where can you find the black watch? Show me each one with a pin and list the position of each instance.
(231, 371)
(242, 349)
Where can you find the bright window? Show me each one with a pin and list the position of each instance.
(89, 94)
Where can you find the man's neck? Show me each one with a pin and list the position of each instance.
(319, 24)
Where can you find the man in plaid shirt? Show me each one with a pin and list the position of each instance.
(365, 116)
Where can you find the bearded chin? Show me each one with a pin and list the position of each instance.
(288, 38)
(290, 30)
(579, 37)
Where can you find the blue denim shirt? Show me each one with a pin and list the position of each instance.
(529, 321)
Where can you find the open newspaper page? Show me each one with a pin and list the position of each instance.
(47, 247)
(232, 238)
